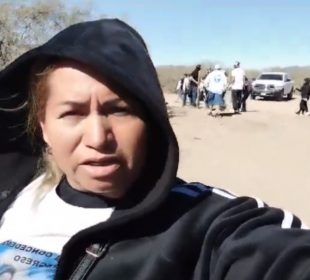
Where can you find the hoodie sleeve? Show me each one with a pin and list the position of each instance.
(253, 242)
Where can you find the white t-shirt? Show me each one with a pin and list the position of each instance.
(216, 82)
(239, 77)
(179, 85)
(31, 239)
(186, 83)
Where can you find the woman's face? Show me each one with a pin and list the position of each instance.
(97, 138)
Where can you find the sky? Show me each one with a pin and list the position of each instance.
(258, 33)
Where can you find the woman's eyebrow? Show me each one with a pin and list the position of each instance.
(75, 103)
(72, 103)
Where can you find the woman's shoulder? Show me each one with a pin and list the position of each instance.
(219, 206)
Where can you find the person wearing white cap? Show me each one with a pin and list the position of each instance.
(238, 80)
(216, 83)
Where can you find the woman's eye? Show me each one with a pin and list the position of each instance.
(120, 111)
(70, 114)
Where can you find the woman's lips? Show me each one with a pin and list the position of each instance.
(101, 168)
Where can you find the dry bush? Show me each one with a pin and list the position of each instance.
(24, 26)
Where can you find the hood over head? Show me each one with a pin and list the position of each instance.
(117, 53)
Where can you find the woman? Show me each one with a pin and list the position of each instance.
(90, 191)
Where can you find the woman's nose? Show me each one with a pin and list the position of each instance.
(97, 132)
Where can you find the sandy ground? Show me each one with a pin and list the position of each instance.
(264, 152)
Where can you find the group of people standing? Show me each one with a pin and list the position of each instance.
(212, 89)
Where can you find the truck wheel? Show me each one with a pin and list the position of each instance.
(253, 96)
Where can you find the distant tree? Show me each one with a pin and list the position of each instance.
(24, 26)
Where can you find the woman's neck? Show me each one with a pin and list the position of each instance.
(82, 199)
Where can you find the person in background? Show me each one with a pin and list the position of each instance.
(194, 84)
(216, 84)
(209, 70)
(247, 89)
(186, 88)
(224, 93)
(90, 189)
(237, 81)
(201, 91)
(179, 88)
(304, 94)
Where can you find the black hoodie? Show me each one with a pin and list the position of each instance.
(305, 89)
(170, 229)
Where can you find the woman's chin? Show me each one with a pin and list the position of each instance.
(106, 188)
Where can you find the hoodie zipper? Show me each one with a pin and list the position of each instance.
(92, 254)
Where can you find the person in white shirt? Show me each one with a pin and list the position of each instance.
(179, 89)
(186, 88)
(237, 80)
(216, 83)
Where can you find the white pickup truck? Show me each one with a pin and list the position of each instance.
(276, 85)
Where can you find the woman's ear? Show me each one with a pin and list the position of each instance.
(44, 133)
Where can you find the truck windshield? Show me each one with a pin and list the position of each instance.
(276, 77)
